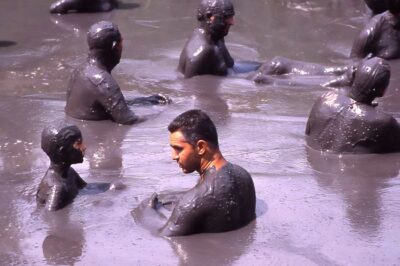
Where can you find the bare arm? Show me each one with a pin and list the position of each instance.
(113, 101)
(365, 43)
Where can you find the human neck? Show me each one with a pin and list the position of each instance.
(214, 160)
(60, 167)
(101, 60)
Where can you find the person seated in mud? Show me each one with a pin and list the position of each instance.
(224, 197)
(61, 183)
(93, 94)
(377, 6)
(337, 76)
(349, 120)
(381, 36)
(205, 53)
(65, 6)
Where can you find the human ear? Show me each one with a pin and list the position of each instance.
(201, 147)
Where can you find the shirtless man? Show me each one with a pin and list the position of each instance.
(381, 36)
(350, 121)
(93, 94)
(224, 197)
(64, 6)
(205, 52)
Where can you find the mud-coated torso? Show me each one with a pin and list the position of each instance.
(201, 56)
(93, 94)
(56, 191)
(381, 37)
(340, 124)
(224, 201)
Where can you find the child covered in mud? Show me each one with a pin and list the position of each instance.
(61, 183)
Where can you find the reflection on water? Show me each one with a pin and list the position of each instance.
(65, 240)
(322, 209)
(213, 249)
(360, 180)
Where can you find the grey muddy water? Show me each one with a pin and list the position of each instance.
(312, 208)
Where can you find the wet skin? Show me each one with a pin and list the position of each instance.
(93, 94)
(222, 200)
(380, 37)
(204, 54)
(340, 124)
(61, 183)
(65, 6)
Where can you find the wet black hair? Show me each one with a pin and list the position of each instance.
(195, 125)
(208, 8)
(103, 35)
(393, 6)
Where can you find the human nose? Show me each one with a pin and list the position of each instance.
(174, 155)
(83, 147)
(230, 21)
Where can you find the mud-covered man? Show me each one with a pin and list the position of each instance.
(381, 36)
(349, 121)
(65, 6)
(205, 52)
(224, 197)
(93, 94)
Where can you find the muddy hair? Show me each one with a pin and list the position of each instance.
(195, 125)
(103, 35)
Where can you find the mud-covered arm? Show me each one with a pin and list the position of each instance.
(113, 102)
(365, 43)
(63, 6)
(188, 216)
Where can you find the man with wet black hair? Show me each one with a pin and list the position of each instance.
(349, 121)
(93, 94)
(381, 36)
(65, 6)
(223, 198)
(205, 52)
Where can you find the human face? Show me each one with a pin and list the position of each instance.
(77, 152)
(184, 153)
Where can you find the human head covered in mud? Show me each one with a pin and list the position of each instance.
(63, 144)
(394, 6)
(216, 17)
(105, 43)
(61, 184)
(370, 80)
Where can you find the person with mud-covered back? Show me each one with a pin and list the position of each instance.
(93, 94)
(381, 36)
(61, 184)
(205, 53)
(224, 197)
(349, 121)
(65, 6)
